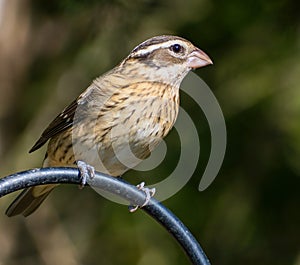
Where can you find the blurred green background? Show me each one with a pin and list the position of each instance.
(51, 50)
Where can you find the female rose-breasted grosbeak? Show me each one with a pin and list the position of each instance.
(120, 117)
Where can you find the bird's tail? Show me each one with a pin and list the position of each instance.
(29, 200)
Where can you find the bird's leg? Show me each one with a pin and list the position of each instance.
(149, 194)
(86, 171)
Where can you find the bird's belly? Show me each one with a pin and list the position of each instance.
(115, 143)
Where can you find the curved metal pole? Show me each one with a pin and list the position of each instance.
(115, 186)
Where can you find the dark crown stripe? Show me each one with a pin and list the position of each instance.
(154, 41)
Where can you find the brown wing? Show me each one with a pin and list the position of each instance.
(62, 122)
(85, 102)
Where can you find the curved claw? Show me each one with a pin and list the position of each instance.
(149, 194)
(86, 171)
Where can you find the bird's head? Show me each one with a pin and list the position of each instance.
(166, 59)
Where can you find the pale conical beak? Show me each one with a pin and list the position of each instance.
(198, 59)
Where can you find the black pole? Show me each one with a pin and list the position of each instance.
(115, 186)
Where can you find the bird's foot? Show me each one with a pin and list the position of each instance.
(149, 194)
(86, 171)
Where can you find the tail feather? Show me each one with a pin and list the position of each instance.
(26, 203)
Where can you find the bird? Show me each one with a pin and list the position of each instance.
(120, 118)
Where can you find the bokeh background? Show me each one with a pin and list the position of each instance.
(51, 50)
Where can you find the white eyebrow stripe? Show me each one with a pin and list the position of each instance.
(154, 47)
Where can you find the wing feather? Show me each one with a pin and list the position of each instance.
(62, 122)
(86, 101)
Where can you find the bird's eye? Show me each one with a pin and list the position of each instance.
(177, 48)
